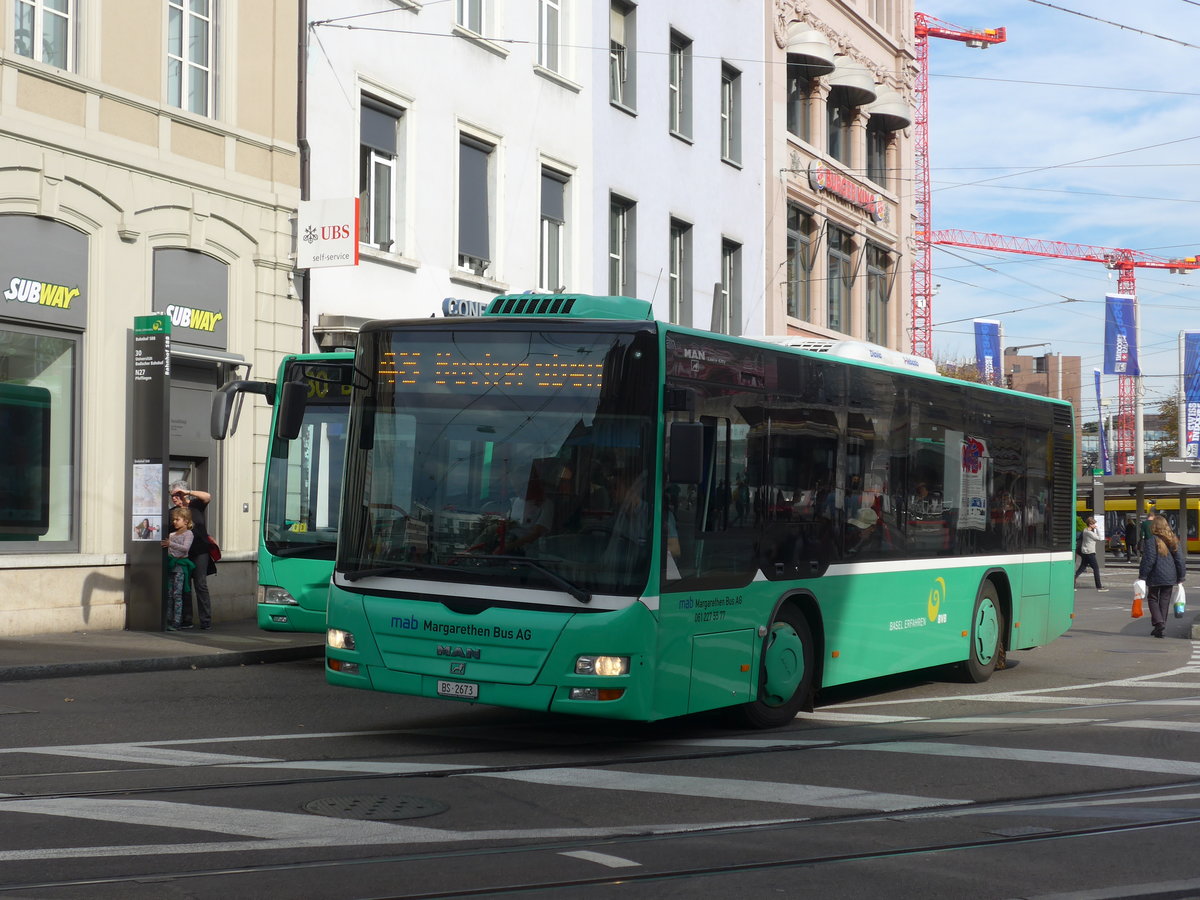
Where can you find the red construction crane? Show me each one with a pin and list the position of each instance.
(1123, 262)
(922, 276)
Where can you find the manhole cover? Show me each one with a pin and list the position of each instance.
(376, 808)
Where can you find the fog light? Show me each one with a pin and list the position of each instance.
(269, 593)
(278, 618)
(339, 640)
(346, 668)
(597, 693)
(602, 665)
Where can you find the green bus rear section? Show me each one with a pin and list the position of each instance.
(698, 651)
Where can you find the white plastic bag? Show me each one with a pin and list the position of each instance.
(1179, 601)
(1139, 589)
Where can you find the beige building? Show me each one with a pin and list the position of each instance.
(839, 204)
(148, 164)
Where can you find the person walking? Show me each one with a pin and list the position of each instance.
(1089, 540)
(1144, 529)
(1162, 568)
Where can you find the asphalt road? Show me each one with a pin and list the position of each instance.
(1075, 772)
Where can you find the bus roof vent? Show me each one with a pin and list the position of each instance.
(574, 306)
(862, 351)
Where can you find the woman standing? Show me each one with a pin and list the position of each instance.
(1162, 568)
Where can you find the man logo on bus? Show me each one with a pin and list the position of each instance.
(936, 593)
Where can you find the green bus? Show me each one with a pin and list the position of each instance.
(301, 486)
(565, 505)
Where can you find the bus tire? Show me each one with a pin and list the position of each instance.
(785, 673)
(987, 636)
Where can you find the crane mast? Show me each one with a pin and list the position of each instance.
(925, 27)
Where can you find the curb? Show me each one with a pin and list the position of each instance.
(158, 664)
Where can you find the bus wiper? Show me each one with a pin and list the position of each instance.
(574, 590)
(397, 568)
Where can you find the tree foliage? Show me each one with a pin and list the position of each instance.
(962, 369)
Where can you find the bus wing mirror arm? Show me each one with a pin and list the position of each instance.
(223, 404)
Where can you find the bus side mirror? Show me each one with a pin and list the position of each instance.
(290, 413)
(685, 464)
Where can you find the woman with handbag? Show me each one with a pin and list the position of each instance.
(1162, 568)
(196, 502)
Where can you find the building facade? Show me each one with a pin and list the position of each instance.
(148, 164)
(500, 147)
(839, 168)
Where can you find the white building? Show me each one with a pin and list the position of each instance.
(499, 147)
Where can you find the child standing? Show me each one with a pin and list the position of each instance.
(179, 567)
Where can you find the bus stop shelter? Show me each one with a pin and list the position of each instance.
(1144, 488)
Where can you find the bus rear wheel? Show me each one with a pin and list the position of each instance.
(987, 636)
(785, 672)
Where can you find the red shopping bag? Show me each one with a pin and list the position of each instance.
(1136, 613)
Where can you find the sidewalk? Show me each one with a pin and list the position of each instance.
(76, 653)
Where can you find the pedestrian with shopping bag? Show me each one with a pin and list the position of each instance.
(1161, 568)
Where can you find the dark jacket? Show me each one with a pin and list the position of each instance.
(1158, 569)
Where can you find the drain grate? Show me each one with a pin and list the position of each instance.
(375, 808)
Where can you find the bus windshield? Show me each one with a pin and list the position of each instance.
(304, 477)
(507, 456)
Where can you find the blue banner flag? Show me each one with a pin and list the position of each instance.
(1191, 392)
(1120, 336)
(1104, 466)
(987, 350)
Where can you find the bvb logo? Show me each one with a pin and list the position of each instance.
(936, 593)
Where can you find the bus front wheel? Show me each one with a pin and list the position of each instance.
(785, 672)
(987, 636)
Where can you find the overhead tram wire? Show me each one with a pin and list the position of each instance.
(1142, 31)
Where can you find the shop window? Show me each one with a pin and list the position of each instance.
(38, 387)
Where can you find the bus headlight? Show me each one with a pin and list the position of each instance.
(269, 593)
(602, 665)
(337, 639)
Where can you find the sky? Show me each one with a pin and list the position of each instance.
(1082, 127)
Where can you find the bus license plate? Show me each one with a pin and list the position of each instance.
(458, 689)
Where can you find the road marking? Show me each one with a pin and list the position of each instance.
(865, 718)
(143, 754)
(605, 859)
(764, 743)
(723, 789)
(280, 831)
(1154, 723)
(1056, 757)
(370, 768)
(1015, 720)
